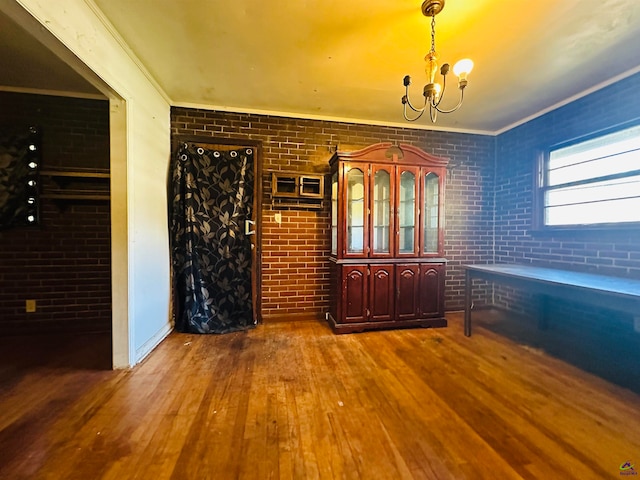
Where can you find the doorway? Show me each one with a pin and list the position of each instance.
(214, 191)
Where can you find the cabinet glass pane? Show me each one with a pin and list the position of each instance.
(355, 211)
(334, 214)
(407, 212)
(381, 207)
(430, 212)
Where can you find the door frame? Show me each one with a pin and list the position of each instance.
(256, 260)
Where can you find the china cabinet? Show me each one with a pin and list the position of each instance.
(387, 239)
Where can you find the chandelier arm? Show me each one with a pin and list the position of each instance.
(406, 95)
(456, 107)
(433, 113)
(404, 113)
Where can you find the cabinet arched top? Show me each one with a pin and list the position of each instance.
(388, 152)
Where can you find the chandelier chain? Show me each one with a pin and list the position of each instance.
(433, 34)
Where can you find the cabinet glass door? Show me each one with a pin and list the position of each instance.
(407, 213)
(381, 214)
(430, 212)
(355, 211)
(334, 213)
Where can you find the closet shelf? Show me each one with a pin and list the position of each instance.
(76, 184)
(60, 172)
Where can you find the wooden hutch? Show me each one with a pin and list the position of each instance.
(387, 239)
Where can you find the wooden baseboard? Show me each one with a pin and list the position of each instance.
(292, 317)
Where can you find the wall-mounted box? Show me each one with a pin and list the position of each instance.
(297, 185)
(311, 186)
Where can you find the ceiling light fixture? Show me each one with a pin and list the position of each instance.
(433, 91)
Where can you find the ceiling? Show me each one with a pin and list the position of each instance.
(345, 60)
(25, 65)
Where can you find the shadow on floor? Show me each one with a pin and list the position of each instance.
(20, 354)
(613, 356)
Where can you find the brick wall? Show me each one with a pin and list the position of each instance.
(295, 270)
(612, 253)
(65, 263)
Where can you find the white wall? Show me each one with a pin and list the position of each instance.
(140, 152)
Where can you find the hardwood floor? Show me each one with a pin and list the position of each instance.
(293, 400)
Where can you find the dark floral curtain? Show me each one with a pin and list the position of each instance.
(212, 198)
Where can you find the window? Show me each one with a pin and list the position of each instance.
(594, 183)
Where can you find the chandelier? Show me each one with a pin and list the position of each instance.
(433, 91)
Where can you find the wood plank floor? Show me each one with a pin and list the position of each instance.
(294, 401)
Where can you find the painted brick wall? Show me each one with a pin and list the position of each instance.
(602, 252)
(612, 253)
(295, 270)
(65, 263)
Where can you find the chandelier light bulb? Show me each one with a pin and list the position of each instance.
(462, 68)
(437, 88)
